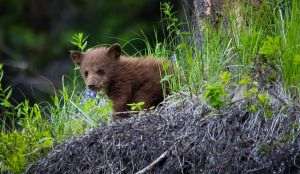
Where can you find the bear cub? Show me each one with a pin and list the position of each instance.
(125, 80)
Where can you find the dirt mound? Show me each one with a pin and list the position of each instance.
(185, 135)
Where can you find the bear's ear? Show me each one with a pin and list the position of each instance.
(114, 51)
(76, 56)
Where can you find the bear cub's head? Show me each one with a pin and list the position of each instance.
(97, 65)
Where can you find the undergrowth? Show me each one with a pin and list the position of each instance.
(30, 131)
(226, 59)
(246, 36)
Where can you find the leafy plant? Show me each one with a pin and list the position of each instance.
(264, 100)
(170, 19)
(225, 77)
(139, 106)
(5, 93)
(6, 108)
(258, 100)
(80, 41)
(245, 80)
(215, 94)
(271, 47)
(21, 147)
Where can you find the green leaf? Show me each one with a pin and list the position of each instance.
(80, 41)
(271, 47)
(137, 106)
(225, 77)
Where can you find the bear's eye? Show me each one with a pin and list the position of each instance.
(86, 73)
(100, 72)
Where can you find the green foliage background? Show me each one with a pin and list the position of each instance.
(39, 31)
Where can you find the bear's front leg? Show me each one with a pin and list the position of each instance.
(120, 109)
(120, 95)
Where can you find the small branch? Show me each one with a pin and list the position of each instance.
(151, 165)
(256, 170)
(128, 112)
(160, 158)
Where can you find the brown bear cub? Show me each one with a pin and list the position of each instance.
(124, 80)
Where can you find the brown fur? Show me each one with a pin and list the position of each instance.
(125, 80)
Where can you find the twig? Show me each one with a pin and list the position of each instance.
(151, 165)
(160, 158)
(256, 169)
(128, 112)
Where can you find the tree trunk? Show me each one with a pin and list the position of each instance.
(198, 11)
(211, 10)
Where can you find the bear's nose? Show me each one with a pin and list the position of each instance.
(92, 87)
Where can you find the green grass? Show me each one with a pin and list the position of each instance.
(269, 33)
(289, 34)
(70, 116)
(30, 131)
(227, 57)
